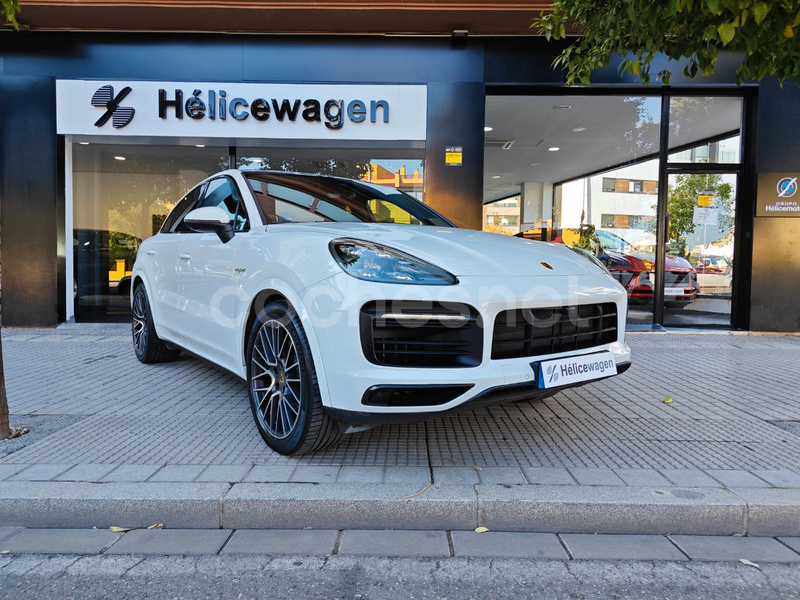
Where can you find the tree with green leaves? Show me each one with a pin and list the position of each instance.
(765, 32)
(8, 11)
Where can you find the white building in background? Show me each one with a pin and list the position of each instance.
(622, 201)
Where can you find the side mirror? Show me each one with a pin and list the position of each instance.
(210, 219)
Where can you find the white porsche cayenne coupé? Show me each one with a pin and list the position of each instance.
(345, 305)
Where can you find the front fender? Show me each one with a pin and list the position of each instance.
(256, 293)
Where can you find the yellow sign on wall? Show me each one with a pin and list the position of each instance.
(453, 156)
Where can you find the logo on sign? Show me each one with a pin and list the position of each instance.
(787, 187)
(120, 115)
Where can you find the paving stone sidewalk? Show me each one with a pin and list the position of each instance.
(734, 422)
(116, 442)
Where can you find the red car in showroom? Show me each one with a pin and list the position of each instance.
(636, 272)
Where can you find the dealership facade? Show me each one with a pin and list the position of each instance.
(103, 131)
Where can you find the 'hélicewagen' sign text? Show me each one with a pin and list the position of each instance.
(215, 105)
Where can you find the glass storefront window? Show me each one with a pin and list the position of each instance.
(700, 257)
(705, 129)
(725, 151)
(613, 214)
(121, 196)
(502, 216)
(701, 210)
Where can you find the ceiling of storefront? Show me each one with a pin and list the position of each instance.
(592, 133)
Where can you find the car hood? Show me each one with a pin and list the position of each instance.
(616, 261)
(462, 252)
(671, 263)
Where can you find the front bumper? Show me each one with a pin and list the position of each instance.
(334, 306)
(360, 420)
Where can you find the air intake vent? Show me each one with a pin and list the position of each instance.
(540, 331)
(421, 334)
(504, 144)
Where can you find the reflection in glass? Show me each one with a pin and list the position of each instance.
(701, 209)
(613, 214)
(406, 174)
(706, 126)
(122, 194)
(721, 151)
(502, 216)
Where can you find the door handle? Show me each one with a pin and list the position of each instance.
(151, 253)
(185, 256)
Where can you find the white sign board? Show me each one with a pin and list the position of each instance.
(241, 110)
(705, 215)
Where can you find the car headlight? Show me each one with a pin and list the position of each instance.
(373, 262)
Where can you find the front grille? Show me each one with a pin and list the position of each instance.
(540, 331)
(421, 334)
(677, 279)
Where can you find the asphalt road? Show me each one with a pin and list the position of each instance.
(349, 578)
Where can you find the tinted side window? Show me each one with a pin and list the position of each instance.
(175, 219)
(224, 194)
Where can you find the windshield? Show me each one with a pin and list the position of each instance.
(295, 198)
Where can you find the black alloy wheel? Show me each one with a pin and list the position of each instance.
(146, 344)
(282, 385)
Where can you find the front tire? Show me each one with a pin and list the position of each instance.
(282, 385)
(146, 344)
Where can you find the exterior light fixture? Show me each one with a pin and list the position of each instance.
(84, 143)
(578, 129)
(554, 149)
(487, 129)
(119, 158)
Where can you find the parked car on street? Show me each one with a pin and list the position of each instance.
(344, 304)
(714, 274)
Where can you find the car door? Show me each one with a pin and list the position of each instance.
(206, 272)
(159, 258)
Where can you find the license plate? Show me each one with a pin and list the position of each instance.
(575, 369)
(674, 292)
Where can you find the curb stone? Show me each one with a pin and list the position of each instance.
(542, 508)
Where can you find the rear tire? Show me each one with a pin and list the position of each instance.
(146, 344)
(282, 385)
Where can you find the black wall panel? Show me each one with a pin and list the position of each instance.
(189, 57)
(28, 201)
(778, 145)
(455, 118)
(776, 241)
(776, 275)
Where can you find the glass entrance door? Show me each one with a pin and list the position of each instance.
(699, 258)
